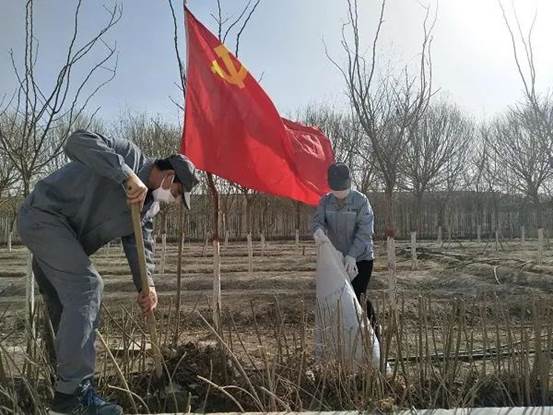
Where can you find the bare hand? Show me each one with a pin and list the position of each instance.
(147, 301)
(136, 190)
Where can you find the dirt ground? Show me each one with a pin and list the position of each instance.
(463, 299)
(285, 273)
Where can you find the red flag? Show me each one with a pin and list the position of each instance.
(233, 130)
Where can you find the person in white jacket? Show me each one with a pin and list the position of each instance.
(345, 218)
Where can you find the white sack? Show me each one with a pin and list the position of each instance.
(340, 329)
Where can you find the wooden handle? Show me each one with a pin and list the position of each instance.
(145, 288)
(139, 238)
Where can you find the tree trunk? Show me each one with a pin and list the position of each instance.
(215, 195)
(539, 211)
(417, 224)
(389, 224)
(30, 281)
(216, 301)
(249, 220)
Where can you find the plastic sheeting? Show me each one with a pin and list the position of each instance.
(342, 331)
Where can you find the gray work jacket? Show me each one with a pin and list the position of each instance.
(349, 225)
(89, 193)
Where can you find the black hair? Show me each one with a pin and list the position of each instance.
(164, 164)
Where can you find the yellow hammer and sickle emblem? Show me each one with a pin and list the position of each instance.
(231, 75)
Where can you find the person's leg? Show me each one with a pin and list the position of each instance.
(360, 284)
(62, 262)
(80, 293)
(52, 314)
(361, 281)
(64, 266)
(49, 295)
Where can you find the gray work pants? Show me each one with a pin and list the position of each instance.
(71, 288)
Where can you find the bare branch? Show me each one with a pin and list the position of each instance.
(177, 50)
(243, 27)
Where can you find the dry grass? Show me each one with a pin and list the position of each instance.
(438, 360)
(447, 347)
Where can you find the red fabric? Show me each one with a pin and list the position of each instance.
(233, 130)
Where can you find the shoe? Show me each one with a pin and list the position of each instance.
(84, 401)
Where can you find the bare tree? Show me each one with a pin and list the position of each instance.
(8, 189)
(349, 141)
(337, 126)
(35, 108)
(8, 175)
(538, 108)
(388, 106)
(524, 156)
(155, 137)
(474, 175)
(435, 153)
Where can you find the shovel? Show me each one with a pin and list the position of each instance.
(150, 318)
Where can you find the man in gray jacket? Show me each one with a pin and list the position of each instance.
(70, 215)
(345, 218)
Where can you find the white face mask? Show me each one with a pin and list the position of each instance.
(164, 195)
(341, 194)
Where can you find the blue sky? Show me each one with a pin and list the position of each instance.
(473, 63)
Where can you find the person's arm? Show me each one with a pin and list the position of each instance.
(129, 245)
(319, 221)
(106, 157)
(364, 229)
(99, 153)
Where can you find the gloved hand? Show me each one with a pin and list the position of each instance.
(351, 266)
(320, 237)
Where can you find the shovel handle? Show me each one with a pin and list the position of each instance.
(145, 288)
(139, 238)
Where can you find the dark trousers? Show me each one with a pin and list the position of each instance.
(360, 283)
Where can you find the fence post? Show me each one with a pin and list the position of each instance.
(297, 238)
(250, 254)
(163, 251)
(479, 234)
(413, 250)
(206, 242)
(540, 246)
(496, 240)
(4, 229)
(440, 240)
(522, 236)
(180, 236)
(226, 238)
(224, 223)
(262, 240)
(216, 284)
